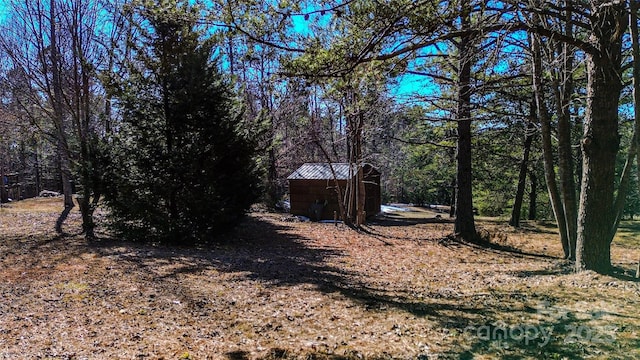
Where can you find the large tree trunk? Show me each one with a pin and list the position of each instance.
(625, 178)
(600, 142)
(464, 225)
(564, 92)
(65, 171)
(635, 40)
(355, 196)
(547, 147)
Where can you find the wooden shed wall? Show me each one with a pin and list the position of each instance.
(304, 193)
(373, 195)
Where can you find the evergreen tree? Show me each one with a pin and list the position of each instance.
(182, 168)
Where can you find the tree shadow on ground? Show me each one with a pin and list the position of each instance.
(275, 255)
(487, 324)
(539, 227)
(529, 226)
(560, 269)
(270, 253)
(257, 249)
(390, 220)
(486, 243)
(624, 274)
(553, 332)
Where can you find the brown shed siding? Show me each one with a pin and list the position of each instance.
(373, 199)
(305, 192)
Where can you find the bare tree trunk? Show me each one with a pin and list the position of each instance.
(266, 105)
(600, 142)
(90, 178)
(452, 207)
(36, 156)
(464, 225)
(637, 112)
(533, 196)
(625, 178)
(339, 193)
(359, 162)
(355, 196)
(564, 92)
(67, 190)
(547, 147)
(81, 114)
(635, 41)
(62, 146)
(522, 176)
(3, 191)
(273, 193)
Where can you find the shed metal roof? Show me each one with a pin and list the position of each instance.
(322, 171)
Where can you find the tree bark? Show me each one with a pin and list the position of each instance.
(354, 197)
(273, 192)
(59, 121)
(564, 92)
(547, 147)
(361, 190)
(625, 178)
(82, 117)
(339, 193)
(464, 225)
(36, 159)
(635, 42)
(3, 192)
(600, 142)
(533, 196)
(522, 175)
(452, 208)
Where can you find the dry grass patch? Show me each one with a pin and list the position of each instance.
(276, 289)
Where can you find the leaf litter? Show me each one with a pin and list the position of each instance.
(276, 289)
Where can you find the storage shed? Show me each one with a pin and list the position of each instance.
(313, 186)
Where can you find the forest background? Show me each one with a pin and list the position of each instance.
(481, 105)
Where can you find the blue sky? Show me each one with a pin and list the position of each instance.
(402, 90)
(3, 10)
(409, 86)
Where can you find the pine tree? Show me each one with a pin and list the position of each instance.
(182, 168)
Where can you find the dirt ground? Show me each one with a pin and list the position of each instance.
(281, 289)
